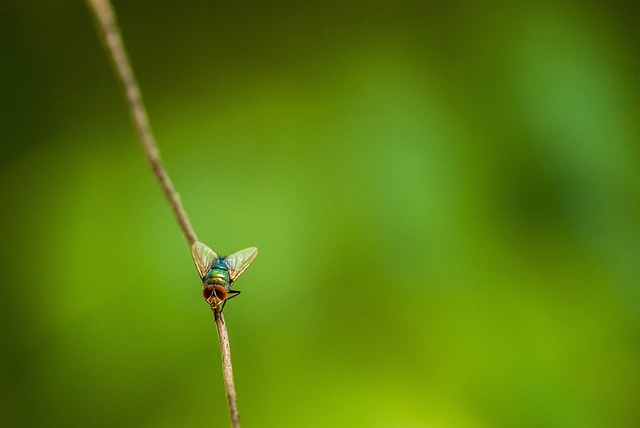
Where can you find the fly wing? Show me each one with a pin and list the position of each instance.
(204, 257)
(240, 261)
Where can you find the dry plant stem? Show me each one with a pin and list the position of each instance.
(227, 368)
(112, 38)
(108, 29)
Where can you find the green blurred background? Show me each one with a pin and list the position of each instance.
(446, 198)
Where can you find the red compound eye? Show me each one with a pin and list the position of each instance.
(221, 293)
(207, 292)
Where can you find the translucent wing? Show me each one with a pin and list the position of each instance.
(203, 256)
(240, 261)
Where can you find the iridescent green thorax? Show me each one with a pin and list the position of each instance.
(218, 274)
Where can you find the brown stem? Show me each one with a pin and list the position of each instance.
(227, 368)
(110, 32)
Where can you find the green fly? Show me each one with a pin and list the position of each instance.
(218, 272)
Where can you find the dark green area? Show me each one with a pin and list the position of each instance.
(446, 199)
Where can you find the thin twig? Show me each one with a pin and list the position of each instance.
(227, 368)
(110, 32)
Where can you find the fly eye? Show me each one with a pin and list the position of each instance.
(207, 292)
(221, 293)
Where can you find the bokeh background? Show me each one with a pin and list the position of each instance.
(446, 198)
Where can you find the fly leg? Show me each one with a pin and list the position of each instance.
(231, 295)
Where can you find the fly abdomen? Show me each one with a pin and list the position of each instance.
(218, 276)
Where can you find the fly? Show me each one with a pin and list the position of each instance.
(218, 272)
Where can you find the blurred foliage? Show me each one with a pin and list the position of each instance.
(446, 198)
